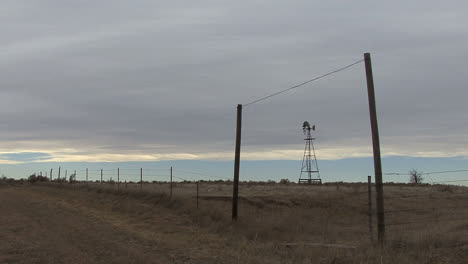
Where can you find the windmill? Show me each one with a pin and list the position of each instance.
(309, 172)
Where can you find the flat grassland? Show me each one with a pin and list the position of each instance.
(278, 223)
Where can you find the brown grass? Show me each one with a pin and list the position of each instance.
(278, 223)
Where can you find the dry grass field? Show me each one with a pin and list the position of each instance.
(278, 223)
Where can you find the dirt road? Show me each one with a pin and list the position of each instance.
(51, 225)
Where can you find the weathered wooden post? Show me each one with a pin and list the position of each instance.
(376, 149)
(235, 189)
(141, 178)
(170, 194)
(197, 192)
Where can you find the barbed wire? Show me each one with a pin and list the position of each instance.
(180, 178)
(201, 174)
(424, 173)
(463, 180)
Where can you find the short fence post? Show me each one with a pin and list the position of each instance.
(369, 196)
(118, 179)
(197, 192)
(141, 178)
(170, 195)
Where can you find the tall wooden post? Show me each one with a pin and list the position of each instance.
(118, 179)
(170, 194)
(369, 203)
(86, 176)
(59, 174)
(235, 189)
(141, 178)
(101, 177)
(376, 148)
(51, 174)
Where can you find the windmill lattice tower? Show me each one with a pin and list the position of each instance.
(309, 172)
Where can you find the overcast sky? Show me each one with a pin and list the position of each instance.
(149, 80)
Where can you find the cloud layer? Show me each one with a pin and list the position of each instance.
(151, 80)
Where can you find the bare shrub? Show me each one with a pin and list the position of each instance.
(37, 178)
(284, 181)
(416, 176)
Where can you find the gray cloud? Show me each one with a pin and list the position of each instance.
(158, 77)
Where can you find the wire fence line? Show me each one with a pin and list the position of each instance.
(352, 198)
(424, 173)
(165, 172)
(449, 179)
(202, 174)
(130, 173)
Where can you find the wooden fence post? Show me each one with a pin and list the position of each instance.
(376, 149)
(197, 192)
(118, 179)
(101, 177)
(170, 194)
(235, 189)
(141, 178)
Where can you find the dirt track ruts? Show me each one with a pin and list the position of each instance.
(50, 225)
